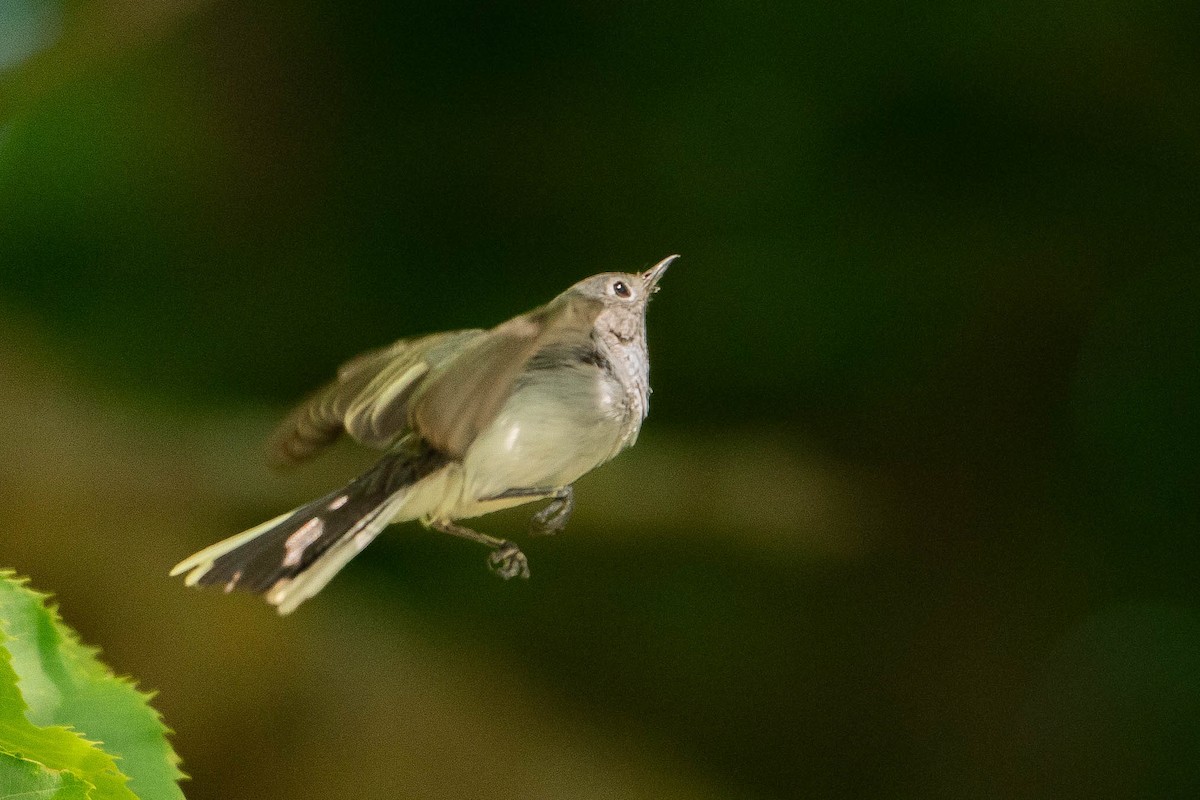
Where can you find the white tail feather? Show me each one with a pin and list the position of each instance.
(289, 593)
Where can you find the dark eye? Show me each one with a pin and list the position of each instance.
(620, 289)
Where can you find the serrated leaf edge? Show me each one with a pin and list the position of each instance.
(100, 668)
(48, 603)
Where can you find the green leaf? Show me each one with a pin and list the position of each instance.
(62, 683)
(53, 747)
(21, 779)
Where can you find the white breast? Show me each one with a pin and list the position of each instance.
(559, 424)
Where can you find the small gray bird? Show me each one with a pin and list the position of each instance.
(473, 421)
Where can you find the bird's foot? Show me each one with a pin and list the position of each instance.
(553, 518)
(507, 561)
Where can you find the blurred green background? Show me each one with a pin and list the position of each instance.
(915, 514)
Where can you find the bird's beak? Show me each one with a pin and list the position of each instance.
(652, 275)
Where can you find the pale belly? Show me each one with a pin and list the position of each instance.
(550, 432)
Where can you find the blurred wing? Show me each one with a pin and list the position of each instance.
(464, 397)
(370, 398)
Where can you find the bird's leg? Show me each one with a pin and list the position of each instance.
(551, 519)
(506, 559)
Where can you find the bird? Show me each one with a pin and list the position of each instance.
(469, 422)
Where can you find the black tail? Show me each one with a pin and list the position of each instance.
(316, 539)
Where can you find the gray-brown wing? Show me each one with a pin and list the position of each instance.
(370, 398)
(463, 397)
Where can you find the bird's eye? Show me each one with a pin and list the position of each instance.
(620, 289)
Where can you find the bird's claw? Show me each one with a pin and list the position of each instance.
(551, 519)
(507, 561)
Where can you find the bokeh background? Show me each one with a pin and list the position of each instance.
(915, 514)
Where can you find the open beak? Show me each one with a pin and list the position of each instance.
(655, 273)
